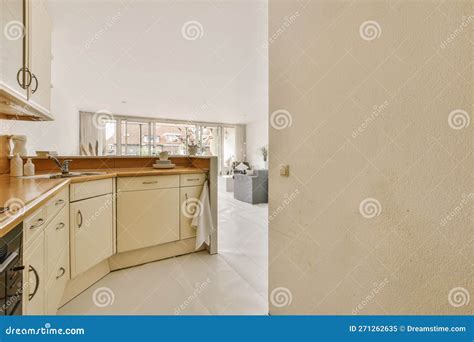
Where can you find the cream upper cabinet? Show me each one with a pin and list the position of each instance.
(147, 217)
(11, 46)
(34, 277)
(189, 198)
(91, 223)
(40, 54)
(25, 60)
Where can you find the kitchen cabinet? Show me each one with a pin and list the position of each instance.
(34, 278)
(46, 256)
(189, 199)
(25, 71)
(91, 224)
(11, 42)
(147, 218)
(39, 46)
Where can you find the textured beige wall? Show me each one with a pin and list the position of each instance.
(371, 104)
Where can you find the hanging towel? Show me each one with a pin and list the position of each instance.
(202, 220)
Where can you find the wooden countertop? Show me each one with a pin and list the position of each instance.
(28, 194)
(24, 196)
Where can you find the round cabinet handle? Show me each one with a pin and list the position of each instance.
(59, 202)
(35, 88)
(62, 270)
(79, 217)
(60, 226)
(37, 224)
(28, 79)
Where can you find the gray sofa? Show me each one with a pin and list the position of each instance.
(252, 189)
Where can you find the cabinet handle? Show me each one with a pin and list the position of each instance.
(37, 282)
(79, 216)
(59, 202)
(186, 196)
(60, 226)
(35, 88)
(62, 271)
(193, 179)
(27, 72)
(39, 222)
(151, 182)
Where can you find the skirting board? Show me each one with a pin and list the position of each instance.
(154, 253)
(80, 283)
(119, 261)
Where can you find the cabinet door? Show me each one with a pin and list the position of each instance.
(40, 54)
(34, 277)
(189, 198)
(147, 218)
(91, 223)
(11, 45)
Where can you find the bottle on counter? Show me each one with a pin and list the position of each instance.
(29, 168)
(16, 166)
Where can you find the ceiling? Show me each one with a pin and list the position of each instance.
(132, 58)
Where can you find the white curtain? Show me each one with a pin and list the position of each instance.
(92, 138)
(240, 143)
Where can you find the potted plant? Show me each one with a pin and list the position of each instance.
(264, 152)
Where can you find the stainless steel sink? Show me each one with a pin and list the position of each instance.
(65, 175)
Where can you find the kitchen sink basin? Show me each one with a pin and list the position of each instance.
(65, 175)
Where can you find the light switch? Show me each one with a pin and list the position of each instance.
(284, 170)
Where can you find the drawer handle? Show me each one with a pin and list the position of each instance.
(151, 182)
(39, 222)
(79, 217)
(60, 226)
(62, 270)
(193, 179)
(37, 282)
(59, 202)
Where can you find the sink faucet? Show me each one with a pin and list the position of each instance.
(64, 166)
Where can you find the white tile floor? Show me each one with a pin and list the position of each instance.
(233, 282)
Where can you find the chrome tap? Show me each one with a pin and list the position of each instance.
(64, 166)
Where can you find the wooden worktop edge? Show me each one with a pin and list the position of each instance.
(11, 222)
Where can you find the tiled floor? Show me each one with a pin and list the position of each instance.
(233, 282)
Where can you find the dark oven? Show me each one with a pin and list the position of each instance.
(11, 272)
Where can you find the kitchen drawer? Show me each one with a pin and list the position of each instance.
(83, 190)
(58, 202)
(194, 179)
(147, 183)
(57, 283)
(57, 239)
(34, 224)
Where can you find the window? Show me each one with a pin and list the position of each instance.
(132, 136)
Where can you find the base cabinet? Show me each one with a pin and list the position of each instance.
(34, 277)
(147, 218)
(91, 222)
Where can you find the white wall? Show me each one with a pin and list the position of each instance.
(257, 137)
(109, 52)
